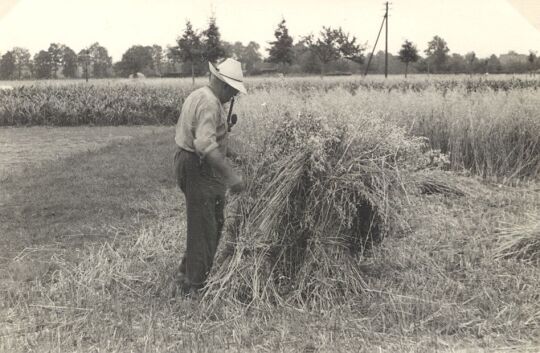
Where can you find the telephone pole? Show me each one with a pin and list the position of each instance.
(383, 23)
(386, 44)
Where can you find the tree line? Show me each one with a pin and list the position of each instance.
(330, 52)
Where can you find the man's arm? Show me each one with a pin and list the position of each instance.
(207, 147)
(218, 161)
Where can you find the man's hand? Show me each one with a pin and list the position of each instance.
(234, 157)
(231, 154)
(233, 181)
(238, 185)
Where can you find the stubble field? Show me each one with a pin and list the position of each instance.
(29, 147)
(445, 171)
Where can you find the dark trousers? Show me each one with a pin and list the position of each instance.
(205, 200)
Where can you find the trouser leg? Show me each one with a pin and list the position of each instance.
(205, 200)
(202, 237)
(194, 222)
(220, 215)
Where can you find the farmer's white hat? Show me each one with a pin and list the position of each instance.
(230, 72)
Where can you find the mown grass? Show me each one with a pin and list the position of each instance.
(79, 197)
(438, 287)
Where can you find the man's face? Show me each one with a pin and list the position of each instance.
(229, 92)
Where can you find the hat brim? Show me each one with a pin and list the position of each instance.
(237, 85)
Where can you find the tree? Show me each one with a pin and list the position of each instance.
(42, 64)
(472, 61)
(325, 47)
(251, 55)
(281, 51)
(408, 54)
(248, 55)
(305, 59)
(333, 44)
(482, 65)
(157, 59)
(135, 59)
(171, 60)
(494, 64)
(69, 59)
(236, 50)
(189, 48)
(22, 60)
(457, 64)
(212, 49)
(437, 53)
(227, 49)
(7, 66)
(83, 60)
(531, 59)
(55, 58)
(378, 63)
(513, 62)
(100, 60)
(349, 49)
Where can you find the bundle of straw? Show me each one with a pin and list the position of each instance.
(321, 193)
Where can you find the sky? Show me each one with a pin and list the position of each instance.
(483, 26)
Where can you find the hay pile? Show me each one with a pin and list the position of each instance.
(321, 193)
(521, 241)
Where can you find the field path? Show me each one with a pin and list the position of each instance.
(22, 147)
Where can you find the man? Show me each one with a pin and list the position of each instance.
(202, 171)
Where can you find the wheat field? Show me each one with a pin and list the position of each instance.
(395, 216)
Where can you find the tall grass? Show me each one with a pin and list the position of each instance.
(487, 127)
(490, 134)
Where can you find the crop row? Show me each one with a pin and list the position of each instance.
(159, 102)
(90, 105)
(415, 85)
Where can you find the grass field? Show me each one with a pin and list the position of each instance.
(90, 240)
(486, 125)
(32, 146)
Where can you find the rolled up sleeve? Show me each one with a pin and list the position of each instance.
(205, 132)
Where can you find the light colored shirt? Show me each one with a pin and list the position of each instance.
(202, 126)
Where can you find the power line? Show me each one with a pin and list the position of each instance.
(375, 46)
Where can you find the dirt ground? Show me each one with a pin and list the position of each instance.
(22, 147)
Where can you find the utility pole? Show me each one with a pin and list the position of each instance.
(384, 22)
(386, 46)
